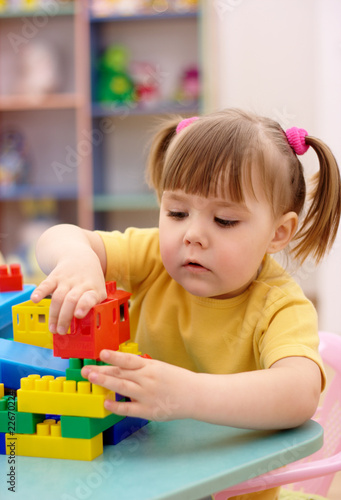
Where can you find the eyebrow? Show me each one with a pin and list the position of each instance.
(219, 202)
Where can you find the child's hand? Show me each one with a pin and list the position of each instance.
(76, 286)
(158, 391)
(75, 262)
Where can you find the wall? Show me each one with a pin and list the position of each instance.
(282, 59)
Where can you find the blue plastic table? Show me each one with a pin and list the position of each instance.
(181, 460)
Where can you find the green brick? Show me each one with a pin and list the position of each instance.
(85, 427)
(75, 366)
(19, 422)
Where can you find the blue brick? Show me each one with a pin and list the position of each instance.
(20, 360)
(123, 429)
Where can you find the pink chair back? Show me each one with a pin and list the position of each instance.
(313, 474)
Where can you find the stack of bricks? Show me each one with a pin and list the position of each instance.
(62, 415)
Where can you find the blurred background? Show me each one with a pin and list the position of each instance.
(83, 84)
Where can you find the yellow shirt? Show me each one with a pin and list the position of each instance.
(271, 320)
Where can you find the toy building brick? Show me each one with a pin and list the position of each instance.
(20, 360)
(57, 413)
(30, 323)
(7, 300)
(106, 326)
(11, 279)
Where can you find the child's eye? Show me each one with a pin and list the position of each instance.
(177, 215)
(225, 222)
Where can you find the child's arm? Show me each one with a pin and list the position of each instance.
(283, 396)
(75, 262)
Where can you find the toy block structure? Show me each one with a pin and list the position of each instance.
(62, 397)
(30, 323)
(11, 278)
(106, 326)
(75, 367)
(123, 429)
(20, 360)
(7, 301)
(56, 412)
(12, 420)
(48, 442)
(85, 427)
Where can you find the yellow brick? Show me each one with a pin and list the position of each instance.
(48, 443)
(62, 397)
(30, 323)
(131, 347)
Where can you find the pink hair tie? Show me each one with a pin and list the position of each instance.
(184, 123)
(296, 138)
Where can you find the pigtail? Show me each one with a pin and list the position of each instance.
(157, 151)
(320, 225)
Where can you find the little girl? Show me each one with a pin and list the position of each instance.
(233, 338)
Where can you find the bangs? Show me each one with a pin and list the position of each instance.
(213, 158)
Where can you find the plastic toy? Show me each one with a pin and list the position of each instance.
(39, 69)
(30, 323)
(14, 162)
(184, 5)
(7, 300)
(189, 89)
(47, 442)
(123, 429)
(118, 7)
(20, 360)
(57, 413)
(62, 397)
(145, 77)
(19, 422)
(88, 336)
(114, 83)
(11, 279)
(87, 427)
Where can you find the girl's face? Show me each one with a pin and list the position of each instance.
(211, 246)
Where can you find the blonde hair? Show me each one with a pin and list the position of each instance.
(219, 153)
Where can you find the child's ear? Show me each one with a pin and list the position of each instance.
(285, 231)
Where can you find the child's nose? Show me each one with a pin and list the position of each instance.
(196, 235)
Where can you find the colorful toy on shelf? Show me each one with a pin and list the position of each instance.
(14, 162)
(39, 71)
(57, 413)
(103, 8)
(105, 326)
(189, 87)
(114, 81)
(3, 5)
(145, 77)
(184, 5)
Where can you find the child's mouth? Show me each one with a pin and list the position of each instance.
(195, 266)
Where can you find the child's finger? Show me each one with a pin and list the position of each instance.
(106, 370)
(118, 385)
(122, 359)
(86, 301)
(44, 289)
(76, 303)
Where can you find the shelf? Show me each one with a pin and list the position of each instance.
(52, 10)
(38, 102)
(124, 202)
(166, 107)
(14, 193)
(154, 15)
